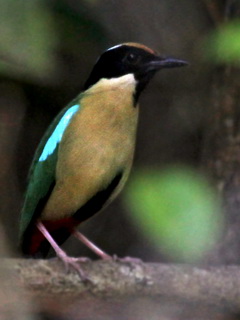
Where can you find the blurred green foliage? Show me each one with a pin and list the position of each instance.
(177, 209)
(28, 38)
(223, 44)
(34, 35)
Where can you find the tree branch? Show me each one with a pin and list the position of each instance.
(217, 287)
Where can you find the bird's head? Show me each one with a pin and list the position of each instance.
(130, 58)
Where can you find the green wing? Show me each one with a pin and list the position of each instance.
(42, 171)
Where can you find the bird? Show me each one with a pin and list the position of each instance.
(85, 156)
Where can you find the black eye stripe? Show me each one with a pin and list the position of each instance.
(117, 62)
(132, 58)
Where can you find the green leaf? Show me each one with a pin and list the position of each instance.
(223, 44)
(177, 209)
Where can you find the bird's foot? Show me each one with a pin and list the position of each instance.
(74, 263)
(105, 256)
(67, 261)
(126, 259)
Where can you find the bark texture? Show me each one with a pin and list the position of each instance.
(123, 290)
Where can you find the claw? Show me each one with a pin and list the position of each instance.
(74, 263)
(67, 261)
(127, 259)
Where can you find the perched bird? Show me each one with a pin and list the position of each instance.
(85, 156)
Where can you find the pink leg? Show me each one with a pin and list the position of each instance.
(103, 255)
(91, 245)
(60, 253)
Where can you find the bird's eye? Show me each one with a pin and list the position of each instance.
(132, 58)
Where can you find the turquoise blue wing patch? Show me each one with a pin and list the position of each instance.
(58, 132)
(42, 171)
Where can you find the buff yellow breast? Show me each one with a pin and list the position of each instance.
(97, 145)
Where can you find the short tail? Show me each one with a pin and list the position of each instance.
(35, 245)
